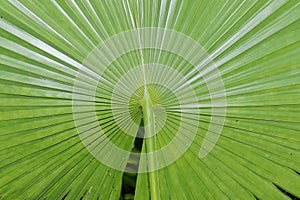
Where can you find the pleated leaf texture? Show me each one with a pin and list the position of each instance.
(210, 88)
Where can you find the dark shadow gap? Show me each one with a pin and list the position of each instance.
(129, 178)
(287, 193)
(86, 193)
(65, 196)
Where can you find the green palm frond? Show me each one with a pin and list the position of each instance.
(212, 84)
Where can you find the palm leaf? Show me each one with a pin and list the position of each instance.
(80, 77)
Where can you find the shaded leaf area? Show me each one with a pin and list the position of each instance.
(255, 45)
(129, 178)
(288, 194)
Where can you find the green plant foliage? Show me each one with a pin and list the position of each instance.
(254, 46)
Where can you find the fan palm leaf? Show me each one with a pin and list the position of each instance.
(213, 85)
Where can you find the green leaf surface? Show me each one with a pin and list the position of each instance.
(252, 46)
